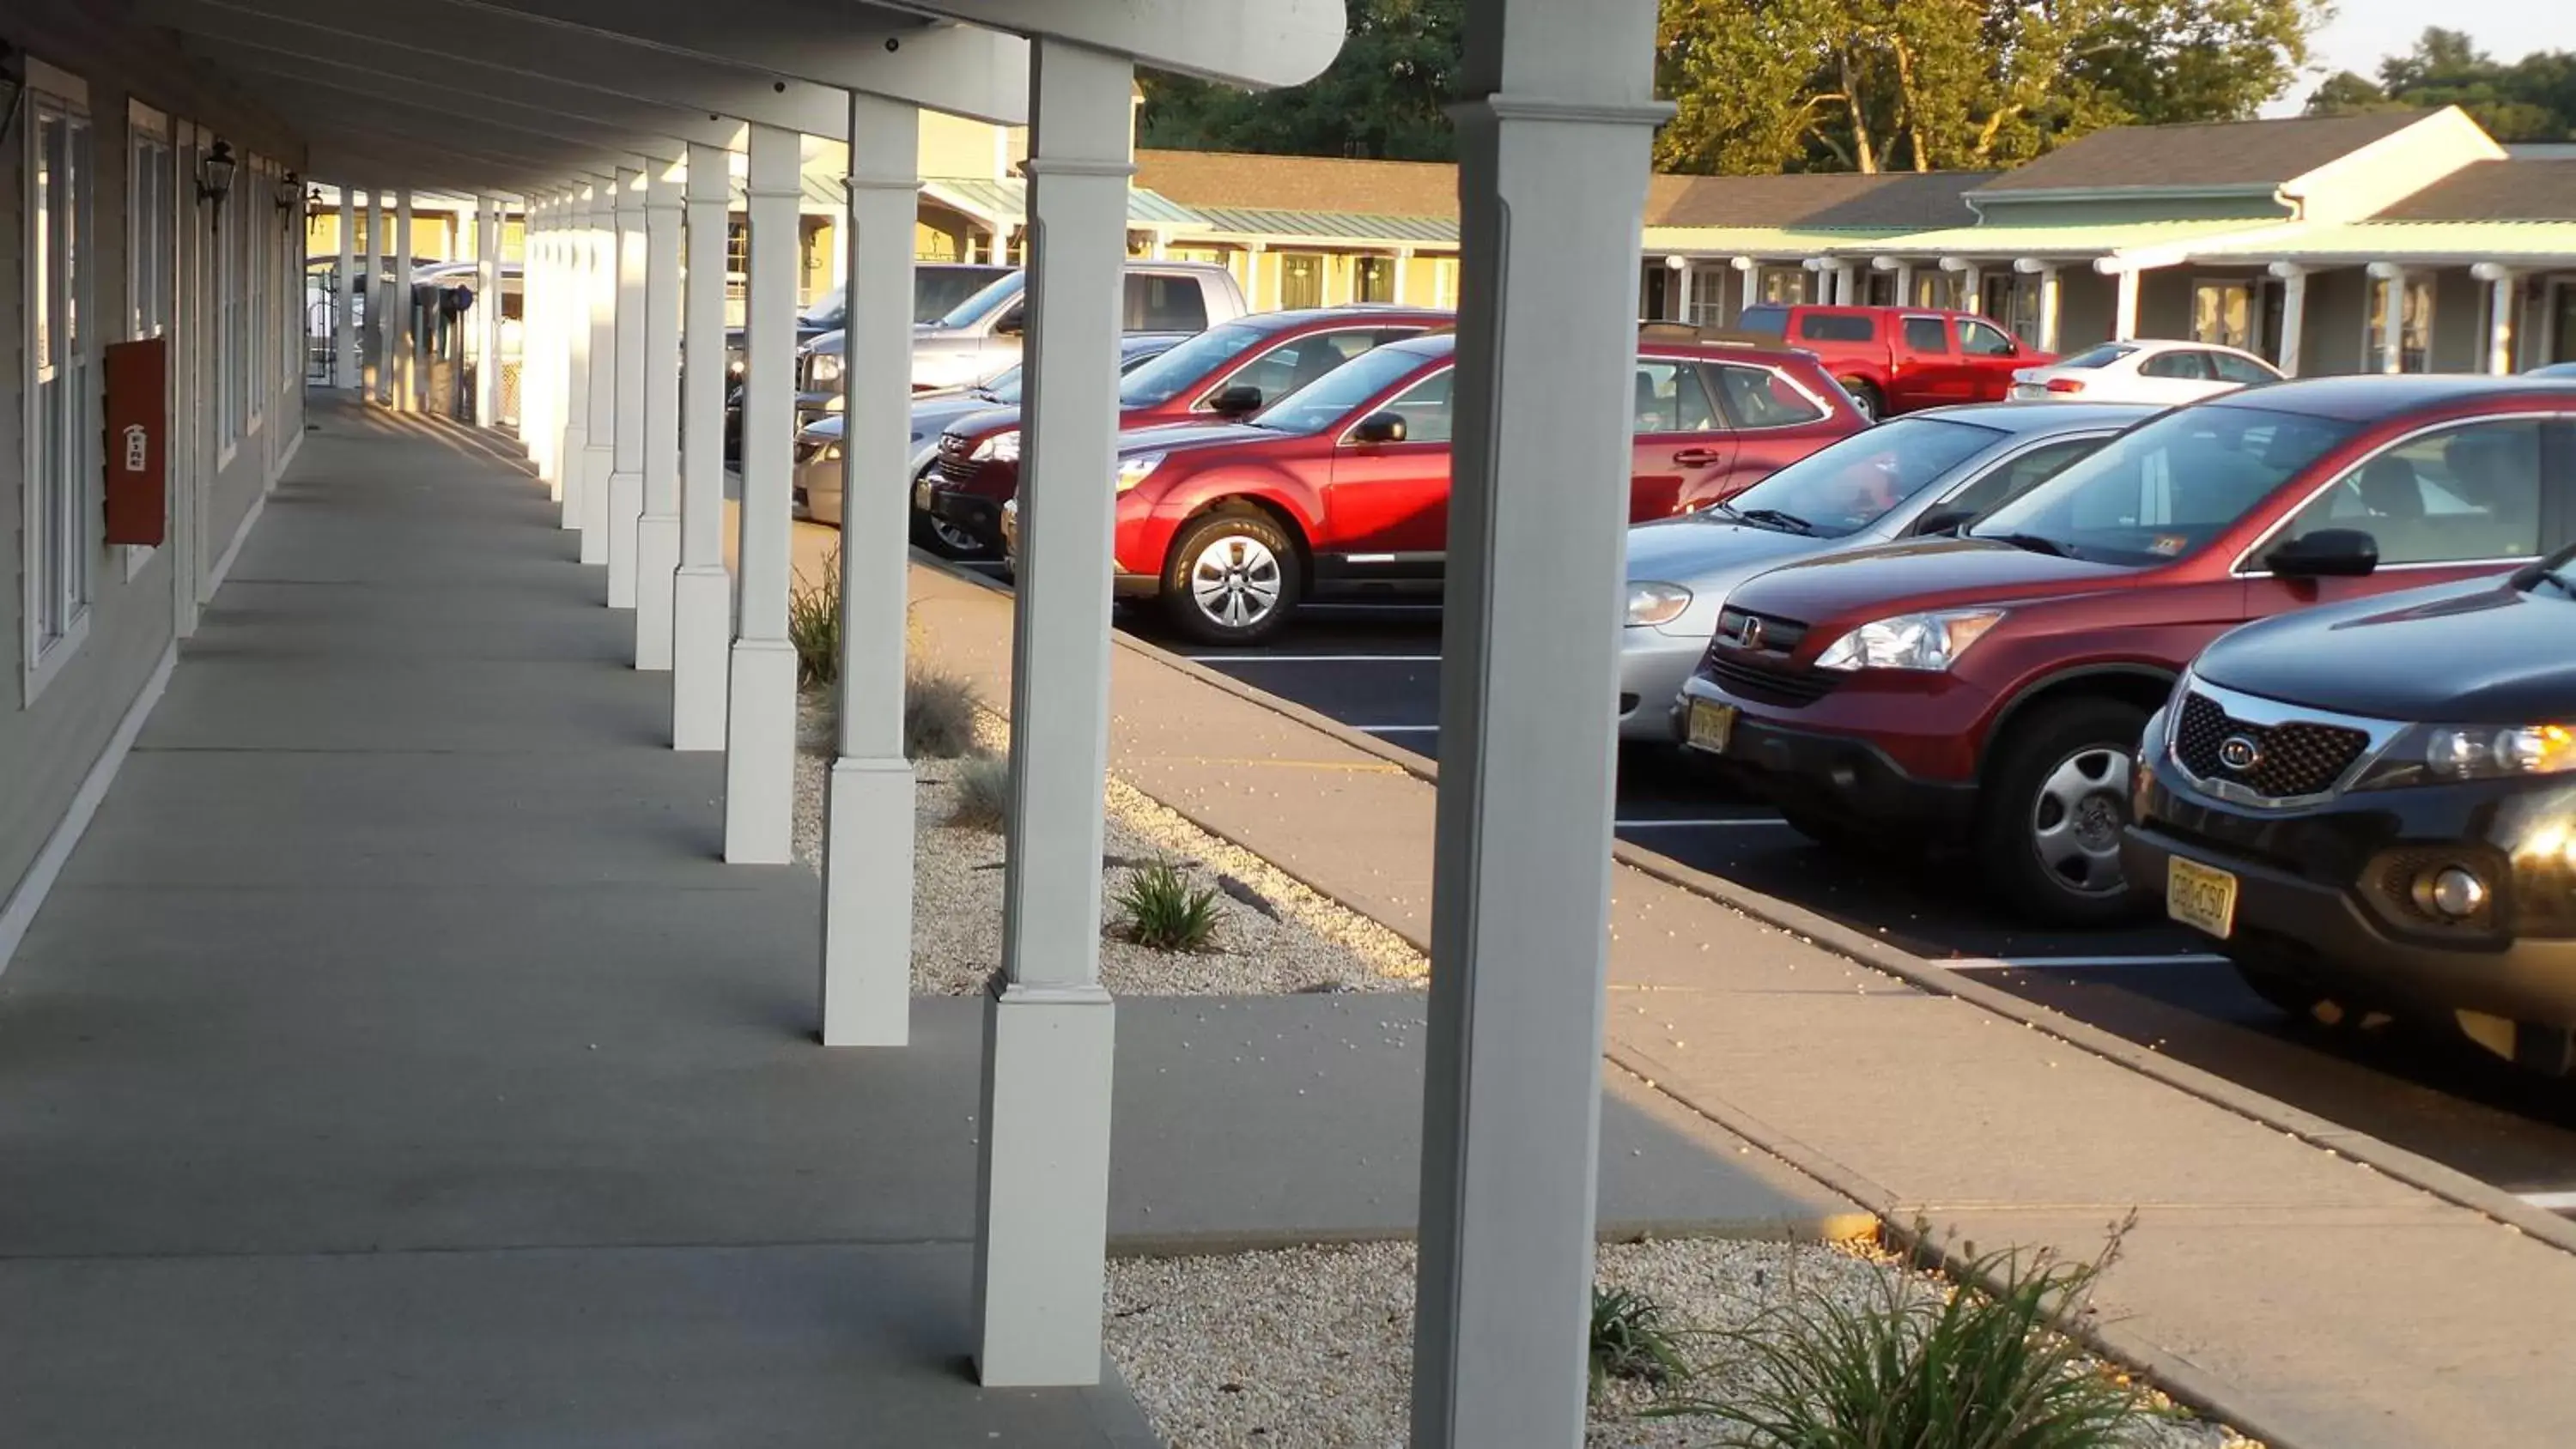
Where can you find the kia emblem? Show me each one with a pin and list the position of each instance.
(2239, 753)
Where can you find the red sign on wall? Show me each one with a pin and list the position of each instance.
(138, 440)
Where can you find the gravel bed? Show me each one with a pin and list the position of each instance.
(1274, 936)
(1311, 1348)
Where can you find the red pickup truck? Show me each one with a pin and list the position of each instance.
(1897, 359)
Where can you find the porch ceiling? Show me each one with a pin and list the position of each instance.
(1786, 242)
(2422, 243)
(2070, 241)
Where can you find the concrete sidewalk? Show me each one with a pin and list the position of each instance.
(2319, 1303)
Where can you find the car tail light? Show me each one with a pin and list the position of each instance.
(2066, 384)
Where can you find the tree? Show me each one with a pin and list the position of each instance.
(2533, 99)
(1382, 96)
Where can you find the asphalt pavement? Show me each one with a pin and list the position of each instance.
(1377, 668)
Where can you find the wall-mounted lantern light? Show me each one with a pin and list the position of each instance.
(290, 191)
(215, 175)
(314, 211)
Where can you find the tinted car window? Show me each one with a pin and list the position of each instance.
(2448, 497)
(1837, 327)
(1292, 365)
(2244, 370)
(2168, 486)
(986, 302)
(1319, 405)
(1425, 409)
(2190, 366)
(1927, 335)
(1162, 379)
(1981, 339)
(2102, 356)
(2018, 475)
(1757, 397)
(1851, 483)
(1669, 398)
(936, 290)
(1769, 321)
(1164, 304)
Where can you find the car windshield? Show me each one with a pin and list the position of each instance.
(2102, 356)
(2167, 487)
(1162, 379)
(1003, 386)
(829, 310)
(983, 304)
(1328, 399)
(1849, 485)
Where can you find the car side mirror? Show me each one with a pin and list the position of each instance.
(1944, 520)
(2327, 553)
(1380, 428)
(1012, 325)
(1239, 401)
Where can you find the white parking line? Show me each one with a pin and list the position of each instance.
(2551, 1202)
(2079, 963)
(1697, 824)
(1312, 658)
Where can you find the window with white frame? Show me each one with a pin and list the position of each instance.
(2222, 312)
(151, 241)
(62, 419)
(253, 214)
(230, 385)
(2414, 328)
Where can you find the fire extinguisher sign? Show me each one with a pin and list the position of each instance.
(138, 434)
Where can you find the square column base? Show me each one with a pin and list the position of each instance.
(760, 754)
(1041, 1240)
(657, 559)
(625, 506)
(564, 483)
(701, 656)
(867, 903)
(598, 463)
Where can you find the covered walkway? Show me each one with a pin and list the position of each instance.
(396, 1062)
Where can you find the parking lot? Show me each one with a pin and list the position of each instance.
(1378, 669)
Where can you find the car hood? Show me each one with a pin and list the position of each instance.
(1692, 551)
(1185, 437)
(1919, 573)
(933, 416)
(2460, 653)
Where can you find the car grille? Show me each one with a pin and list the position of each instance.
(954, 468)
(1777, 635)
(2291, 760)
(1762, 672)
(1790, 690)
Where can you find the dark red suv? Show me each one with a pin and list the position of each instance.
(1343, 486)
(1230, 371)
(1991, 688)
(1897, 359)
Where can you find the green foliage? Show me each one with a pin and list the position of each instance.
(1924, 1367)
(1631, 1341)
(938, 716)
(1381, 97)
(814, 626)
(983, 793)
(2533, 99)
(1159, 908)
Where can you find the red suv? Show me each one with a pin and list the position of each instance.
(1230, 371)
(1991, 688)
(1343, 486)
(1897, 359)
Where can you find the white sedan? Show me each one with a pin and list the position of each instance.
(2165, 373)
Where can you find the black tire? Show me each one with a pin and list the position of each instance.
(1259, 578)
(2051, 809)
(1872, 402)
(941, 537)
(2308, 1006)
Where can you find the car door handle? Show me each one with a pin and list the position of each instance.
(1698, 457)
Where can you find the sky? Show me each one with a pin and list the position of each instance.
(2365, 30)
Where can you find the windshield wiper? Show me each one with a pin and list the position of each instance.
(2032, 542)
(1788, 522)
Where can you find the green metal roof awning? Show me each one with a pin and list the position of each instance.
(2439, 243)
(2061, 242)
(1005, 202)
(1268, 225)
(1761, 241)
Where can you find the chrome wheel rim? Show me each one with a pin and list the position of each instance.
(1236, 581)
(954, 536)
(2075, 823)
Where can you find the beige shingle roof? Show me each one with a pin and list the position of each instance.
(2510, 190)
(2216, 154)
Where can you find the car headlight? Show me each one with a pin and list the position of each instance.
(1931, 641)
(1132, 471)
(2443, 754)
(733, 366)
(826, 369)
(1003, 447)
(1656, 603)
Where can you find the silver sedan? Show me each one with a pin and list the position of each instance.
(1925, 472)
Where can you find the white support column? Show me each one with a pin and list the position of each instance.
(599, 403)
(2390, 279)
(2124, 313)
(2049, 294)
(867, 860)
(1403, 265)
(378, 381)
(345, 369)
(1553, 145)
(760, 732)
(2294, 313)
(487, 311)
(541, 366)
(1847, 284)
(2504, 299)
(657, 530)
(573, 324)
(1049, 1028)
(626, 324)
(1682, 280)
(1253, 257)
(1905, 284)
(406, 357)
(701, 590)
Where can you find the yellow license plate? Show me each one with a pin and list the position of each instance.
(1711, 725)
(2200, 896)
(921, 495)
